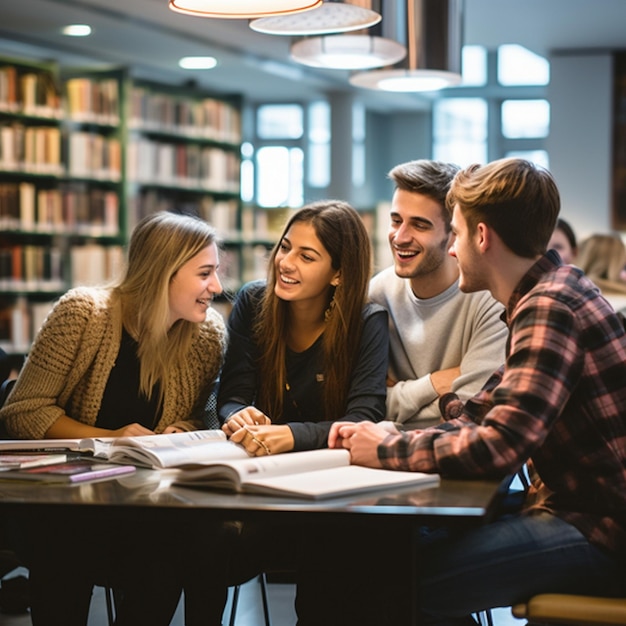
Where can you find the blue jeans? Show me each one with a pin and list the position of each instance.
(506, 562)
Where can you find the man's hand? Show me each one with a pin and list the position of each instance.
(361, 439)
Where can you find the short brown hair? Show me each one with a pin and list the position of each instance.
(515, 197)
(429, 178)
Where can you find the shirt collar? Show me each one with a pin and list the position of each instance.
(547, 263)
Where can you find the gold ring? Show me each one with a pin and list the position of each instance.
(261, 444)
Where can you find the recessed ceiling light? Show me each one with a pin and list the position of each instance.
(77, 30)
(197, 63)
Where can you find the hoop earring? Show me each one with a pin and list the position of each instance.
(331, 307)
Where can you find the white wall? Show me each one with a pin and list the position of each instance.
(580, 141)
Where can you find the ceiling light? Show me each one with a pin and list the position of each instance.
(331, 17)
(241, 9)
(433, 37)
(197, 63)
(347, 52)
(77, 30)
(405, 80)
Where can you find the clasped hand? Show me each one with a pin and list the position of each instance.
(361, 439)
(253, 430)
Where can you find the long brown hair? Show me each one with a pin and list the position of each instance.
(341, 231)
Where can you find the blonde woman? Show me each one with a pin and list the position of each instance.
(136, 358)
(603, 259)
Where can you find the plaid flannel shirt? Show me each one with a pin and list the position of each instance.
(557, 404)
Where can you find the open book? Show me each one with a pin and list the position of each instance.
(314, 475)
(158, 451)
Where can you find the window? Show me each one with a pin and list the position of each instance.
(247, 172)
(474, 64)
(460, 130)
(318, 173)
(499, 110)
(279, 121)
(280, 176)
(275, 178)
(358, 145)
(525, 118)
(519, 66)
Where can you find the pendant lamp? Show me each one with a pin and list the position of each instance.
(331, 16)
(347, 52)
(336, 36)
(242, 9)
(432, 33)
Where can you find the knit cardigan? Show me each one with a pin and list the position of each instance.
(69, 363)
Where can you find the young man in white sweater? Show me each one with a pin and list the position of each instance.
(441, 340)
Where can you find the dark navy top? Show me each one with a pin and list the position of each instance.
(303, 409)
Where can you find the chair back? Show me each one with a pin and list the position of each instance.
(5, 390)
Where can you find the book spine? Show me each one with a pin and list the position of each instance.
(103, 473)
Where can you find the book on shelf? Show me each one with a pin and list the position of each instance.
(188, 449)
(71, 471)
(312, 475)
(15, 461)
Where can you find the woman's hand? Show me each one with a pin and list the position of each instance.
(131, 430)
(250, 416)
(264, 440)
(172, 428)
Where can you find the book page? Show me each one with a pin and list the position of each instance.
(239, 472)
(177, 449)
(337, 481)
(41, 444)
(291, 463)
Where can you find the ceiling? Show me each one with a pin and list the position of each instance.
(147, 36)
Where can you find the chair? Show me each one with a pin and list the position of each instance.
(5, 389)
(556, 608)
(262, 578)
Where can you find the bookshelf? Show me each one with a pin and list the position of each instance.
(183, 155)
(61, 188)
(84, 154)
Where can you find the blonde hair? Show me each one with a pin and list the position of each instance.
(341, 231)
(602, 257)
(159, 246)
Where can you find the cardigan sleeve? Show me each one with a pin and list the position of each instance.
(55, 356)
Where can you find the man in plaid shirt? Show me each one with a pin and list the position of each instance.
(558, 405)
